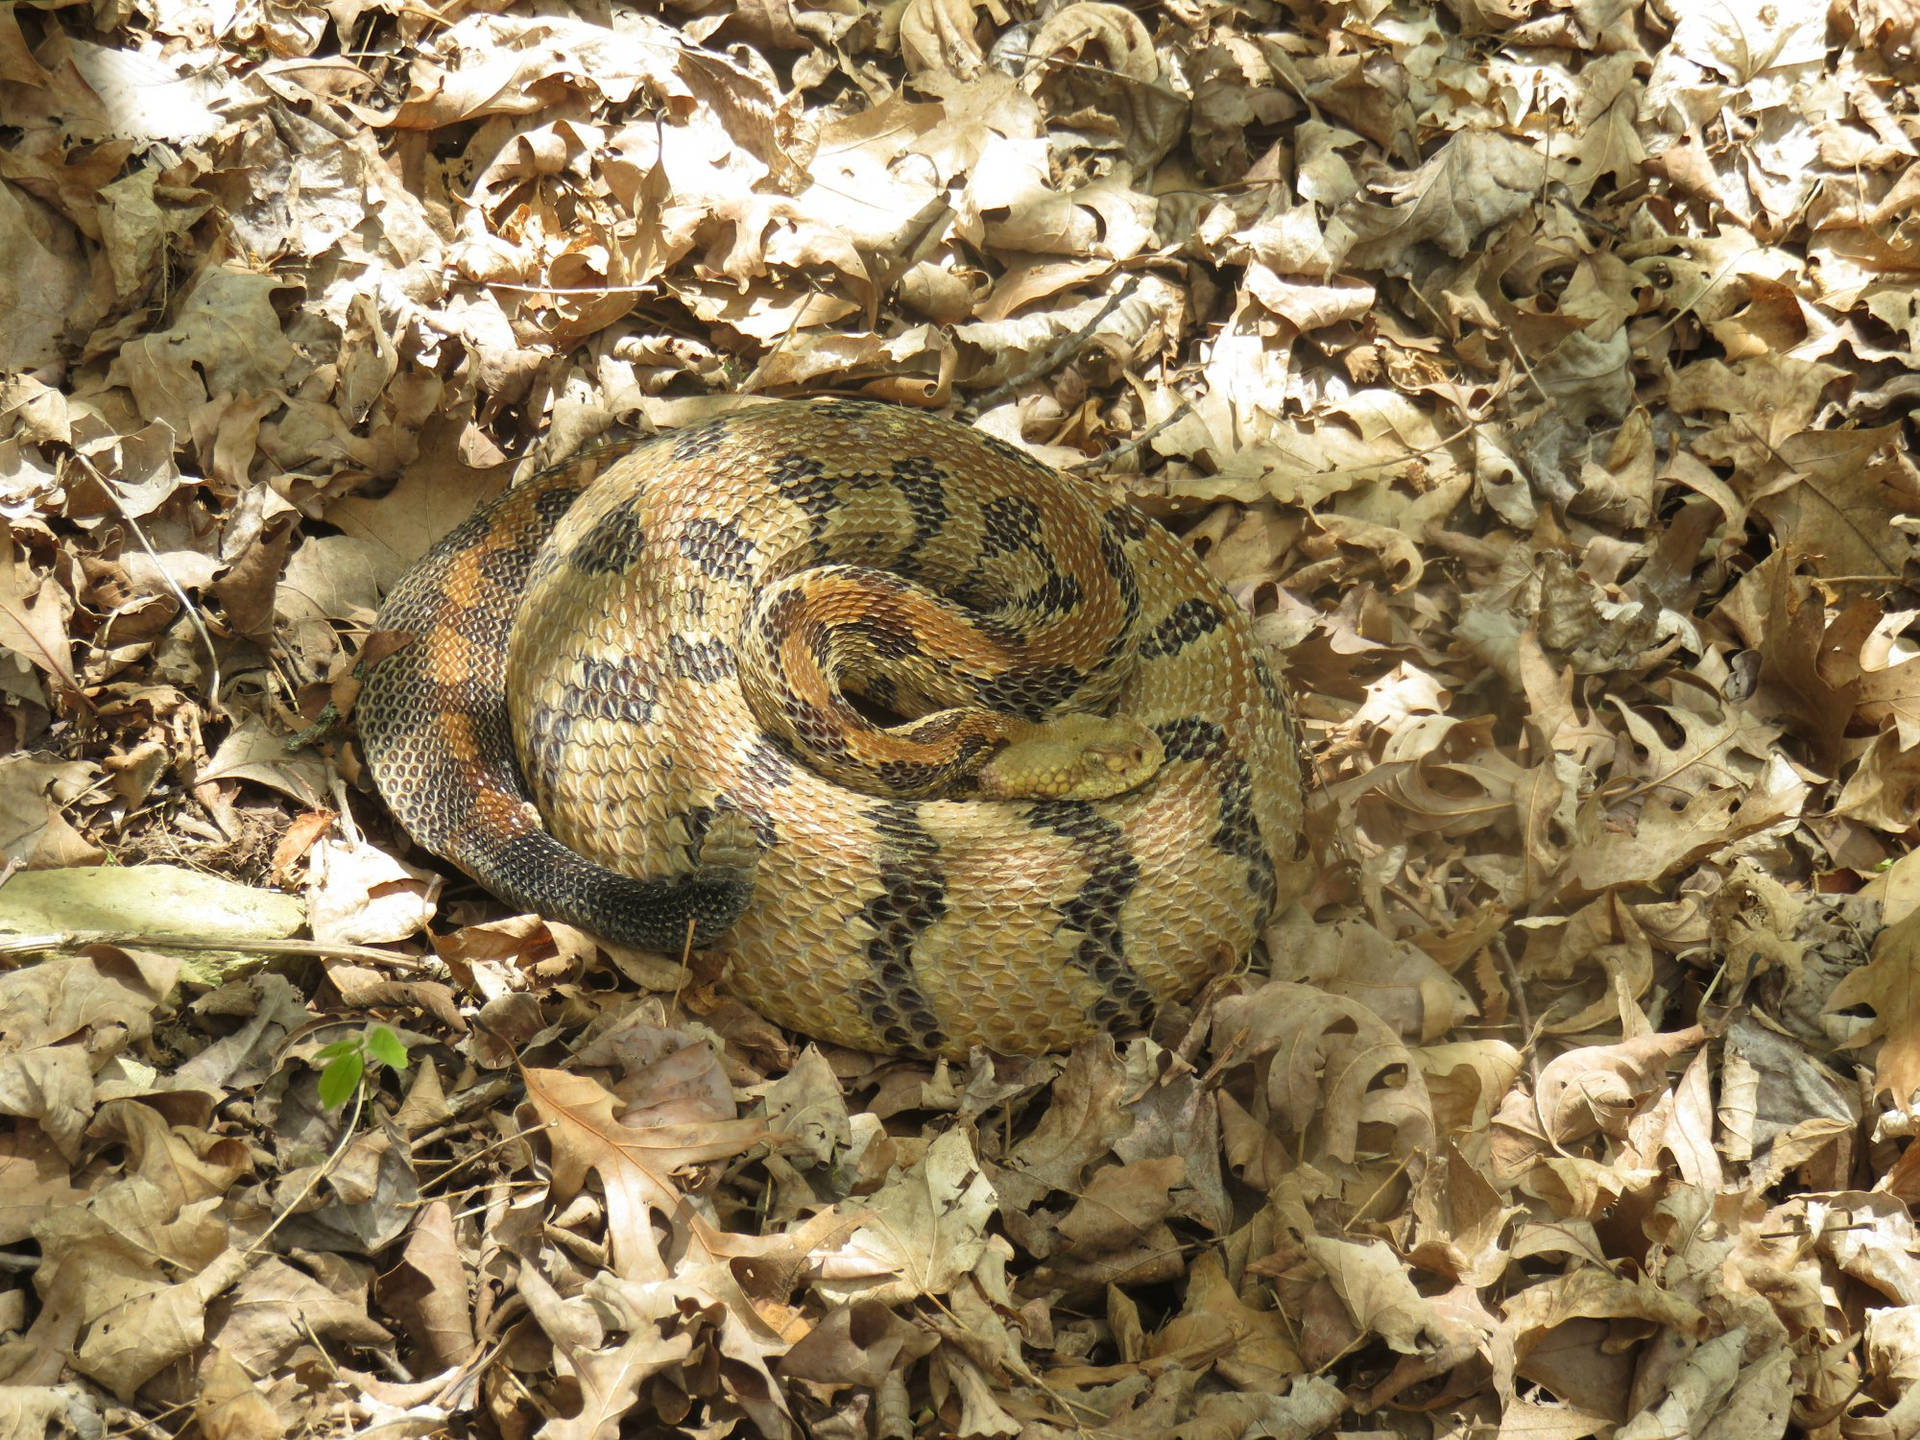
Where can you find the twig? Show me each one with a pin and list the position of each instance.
(1106, 459)
(81, 939)
(320, 1172)
(1051, 361)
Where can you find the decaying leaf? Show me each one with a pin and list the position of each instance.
(1539, 377)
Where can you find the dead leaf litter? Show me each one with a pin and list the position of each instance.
(1542, 378)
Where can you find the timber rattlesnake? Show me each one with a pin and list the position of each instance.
(676, 659)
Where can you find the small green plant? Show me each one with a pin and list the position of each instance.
(344, 1063)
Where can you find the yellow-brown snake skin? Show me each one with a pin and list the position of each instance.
(746, 683)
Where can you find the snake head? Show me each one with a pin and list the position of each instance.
(1072, 757)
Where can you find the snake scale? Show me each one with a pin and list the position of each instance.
(809, 682)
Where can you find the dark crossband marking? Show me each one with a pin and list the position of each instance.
(912, 899)
(1238, 833)
(922, 485)
(701, 661)
(1184, 624)
(768, 765)
(1030, 691)
(612, 543)
(544, 746)
(554, 502)
(697, 442)
(615, 690)
(1096, 911)
(1011, 523)
(815, 730)
(719, 549)
(1056, 595)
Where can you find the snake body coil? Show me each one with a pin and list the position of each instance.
(750, 681)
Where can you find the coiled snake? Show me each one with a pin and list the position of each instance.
(782, 682)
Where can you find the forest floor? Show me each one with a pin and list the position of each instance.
(1540, 374)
